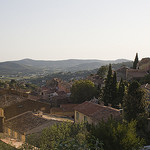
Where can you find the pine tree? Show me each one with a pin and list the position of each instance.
(136, 60)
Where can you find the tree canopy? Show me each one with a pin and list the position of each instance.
(107, 91)
(83, 90)
(117, 136)
(64, 136)
(109, 94)
(121, 91)
(4, 146)
(134, 102)
(102, 71)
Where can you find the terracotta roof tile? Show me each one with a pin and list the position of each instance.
(96, 111)
(25, 122)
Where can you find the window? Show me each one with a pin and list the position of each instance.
(11, 133)
(85, 118)
(77, 115)
(19, 136)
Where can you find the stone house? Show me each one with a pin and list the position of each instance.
(143, 68)
(135, 74)
(121, 73)
(144, 64)
(97, 80)
(94, 113)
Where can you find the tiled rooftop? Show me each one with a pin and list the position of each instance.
(25, 122)
(144, 61)
(96, 111)
(7, 100)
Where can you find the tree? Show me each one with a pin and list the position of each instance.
(83, 90)
(145, 79)
(102, 71)
(114, 101)
(121, 91)
(134, 104)
(4, 146)
(107, 91)
(65, 136)
(136, 60)
(117, 136)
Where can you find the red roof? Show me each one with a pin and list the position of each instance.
(97, 112)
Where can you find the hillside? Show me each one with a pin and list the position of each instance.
(10, 68)
(34, 66)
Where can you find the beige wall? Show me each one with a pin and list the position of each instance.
(61, 112)
(145, 67)
(14, 134)
(81, 118)
(1, 112)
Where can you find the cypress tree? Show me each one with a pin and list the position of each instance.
(135, 102)
(107, 91)
(114, 101)
(136, 60)
(121, 91)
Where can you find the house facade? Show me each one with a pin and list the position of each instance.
(144, 64)
(94, 113)
(135, 74)
(80, 117)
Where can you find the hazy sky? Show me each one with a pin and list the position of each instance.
(81, 29)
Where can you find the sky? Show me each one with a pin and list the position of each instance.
(74, 29)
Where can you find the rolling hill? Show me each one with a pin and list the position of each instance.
(33, 66)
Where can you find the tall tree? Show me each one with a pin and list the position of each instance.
(136, 60)
(107, 91)
(134, 102)
(121, 91)
(114, 101)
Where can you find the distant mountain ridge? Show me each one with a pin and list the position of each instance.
(72, 65)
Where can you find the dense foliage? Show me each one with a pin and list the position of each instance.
(117, 136)
(65, 136)
(145, 79)
(114, 101)
(135, 102)
(121, 91)
(107, 91)
(4, 146)
(110, 135)
(102, 71)
(110, 91)
(83, 90)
